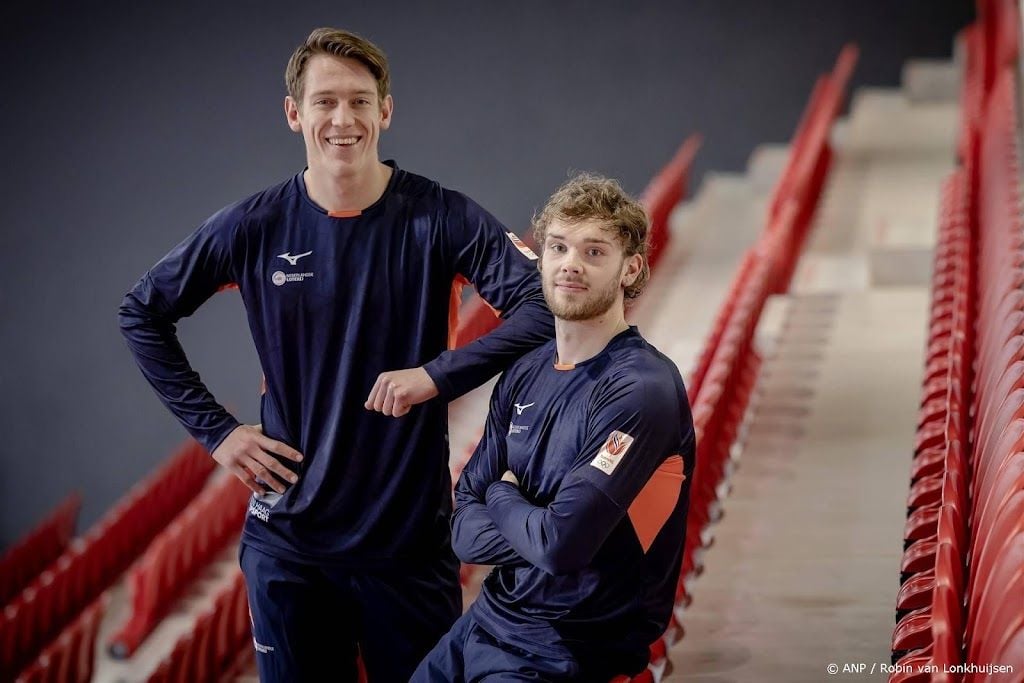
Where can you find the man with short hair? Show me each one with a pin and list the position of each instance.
(579, 488)
(348, 270)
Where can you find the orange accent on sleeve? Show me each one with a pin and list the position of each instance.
(454, 304)
(230, 285)
(495, 311)
(344, 214)
(654, 504)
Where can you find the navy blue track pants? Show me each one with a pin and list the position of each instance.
(309, 621)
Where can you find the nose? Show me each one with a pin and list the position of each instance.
(342, 115)
(571, 262)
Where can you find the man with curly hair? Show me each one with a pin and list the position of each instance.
(578, 490)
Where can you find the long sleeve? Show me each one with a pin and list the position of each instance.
(172, 289)
(475, 538)
(633, 427)
(501, 269)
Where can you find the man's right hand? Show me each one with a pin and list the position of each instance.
(246, 454)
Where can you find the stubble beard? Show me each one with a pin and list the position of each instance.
(586, 308)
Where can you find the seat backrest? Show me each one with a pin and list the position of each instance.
(1010, 440)
(997, 617)
(991, 570)
(992, 424)
(1000, 485)
(1011, 652)
(993, 359)
(984, 465)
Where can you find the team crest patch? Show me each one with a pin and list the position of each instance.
(612, 451)
(521, 246)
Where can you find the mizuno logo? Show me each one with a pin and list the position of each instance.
(294, 260)
(521, 408)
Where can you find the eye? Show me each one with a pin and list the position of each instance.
(362, 102)
(595, 252)
(556, 247)
(322, 102)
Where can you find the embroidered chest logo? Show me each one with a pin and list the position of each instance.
(610, 455)
(279, 277)
(513, 428)
(520, 408)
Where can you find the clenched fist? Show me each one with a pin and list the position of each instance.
(395, 392)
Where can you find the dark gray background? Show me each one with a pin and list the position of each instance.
(126, 125)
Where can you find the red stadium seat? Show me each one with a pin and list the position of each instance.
(177, 555)
(91, 564)
(27, 557)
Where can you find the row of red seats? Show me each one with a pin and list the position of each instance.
(93, 562)
(71, 657)
(660, 196)
(664, 192)
(727, 369)
(177, 555)
(961, 603)
(994, 630)
(38, 548)
(212, 647)
(728, 364)
(720, 405)
(928, 605)
(799, 186)
(809, 159)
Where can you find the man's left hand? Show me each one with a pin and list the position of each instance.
(396, 391)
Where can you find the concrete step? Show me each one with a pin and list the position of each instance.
(765, 166)
(931, 80)
(885, 124)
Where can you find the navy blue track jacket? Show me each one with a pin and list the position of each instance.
(332, 301)
(589, 544)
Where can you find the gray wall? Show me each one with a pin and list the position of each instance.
(124, 127)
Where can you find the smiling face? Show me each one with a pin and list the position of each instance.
(584, 270)
(340, 116)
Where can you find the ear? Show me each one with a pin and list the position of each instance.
(291, 114)
(386, 110)
(631, 269)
